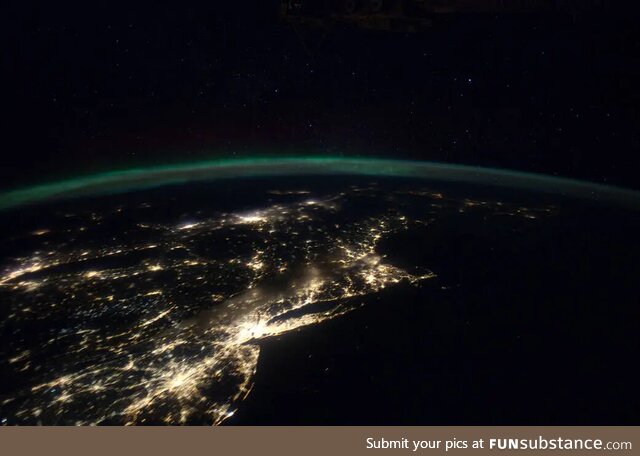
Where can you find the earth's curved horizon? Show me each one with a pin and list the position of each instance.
(143, 178)
(319, 291)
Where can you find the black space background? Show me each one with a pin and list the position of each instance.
(95, 85)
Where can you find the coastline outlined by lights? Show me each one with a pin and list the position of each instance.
(161, 321)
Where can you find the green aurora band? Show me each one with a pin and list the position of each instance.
(156, 176)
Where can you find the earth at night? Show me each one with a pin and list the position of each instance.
(319, 292)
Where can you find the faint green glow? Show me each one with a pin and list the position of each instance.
(155, 176)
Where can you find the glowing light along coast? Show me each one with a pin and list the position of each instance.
(156, 176)
(162, 322)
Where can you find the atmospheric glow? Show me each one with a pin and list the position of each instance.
(144, 178)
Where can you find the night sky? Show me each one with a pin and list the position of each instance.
(97, 86)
